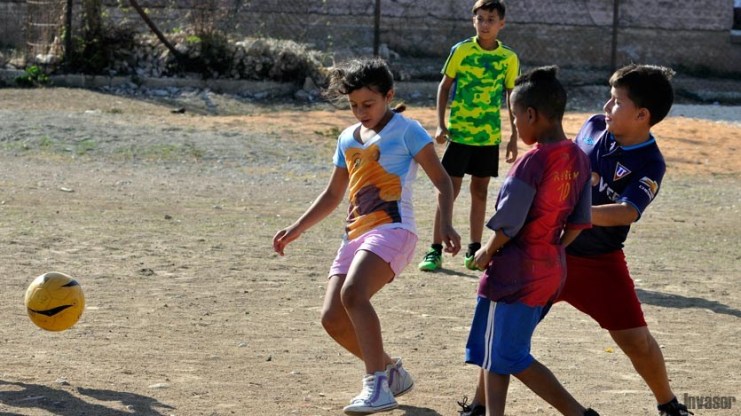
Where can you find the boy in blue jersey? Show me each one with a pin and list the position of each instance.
(478, 72)
(627, 169)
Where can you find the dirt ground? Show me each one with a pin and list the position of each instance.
(166, 220)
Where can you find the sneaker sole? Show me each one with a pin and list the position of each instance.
(472, 266)
(429, 268)
(370, 411)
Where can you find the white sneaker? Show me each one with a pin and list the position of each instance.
(400, 381)
(375, 396)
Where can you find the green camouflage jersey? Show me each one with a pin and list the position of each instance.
(481, 76)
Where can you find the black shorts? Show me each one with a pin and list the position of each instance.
(460, 159)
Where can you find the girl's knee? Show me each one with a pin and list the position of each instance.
(333, 317)
(349, 297)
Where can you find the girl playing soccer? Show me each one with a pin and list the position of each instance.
(376, 159)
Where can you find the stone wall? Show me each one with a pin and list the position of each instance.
(691, 35)
(569, 33)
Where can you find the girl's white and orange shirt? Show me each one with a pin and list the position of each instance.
(381, 170)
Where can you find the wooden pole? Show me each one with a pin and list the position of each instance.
(154, 29)
(68, 32)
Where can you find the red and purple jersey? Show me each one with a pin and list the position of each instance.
(546, 191)
(629, 174)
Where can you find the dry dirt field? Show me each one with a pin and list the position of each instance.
(166, 220)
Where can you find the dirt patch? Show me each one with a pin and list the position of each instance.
(166, 220)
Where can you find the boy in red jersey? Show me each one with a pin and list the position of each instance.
(542, 206)
(627, 169)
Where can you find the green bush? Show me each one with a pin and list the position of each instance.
(33, 76)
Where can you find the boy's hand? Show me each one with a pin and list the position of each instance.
(451, 240)
(482, 258)
(512, 149)
(442, 135)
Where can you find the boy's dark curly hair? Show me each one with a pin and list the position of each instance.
(540, 89)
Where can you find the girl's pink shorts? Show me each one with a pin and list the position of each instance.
(394, 245)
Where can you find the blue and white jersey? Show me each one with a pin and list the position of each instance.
(629, 174)
(381, 171)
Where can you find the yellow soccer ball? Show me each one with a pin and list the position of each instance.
(54, 301)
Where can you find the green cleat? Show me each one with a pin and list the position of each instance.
(469, 262)
(432, 261)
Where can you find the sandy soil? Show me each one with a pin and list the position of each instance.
(166, 220)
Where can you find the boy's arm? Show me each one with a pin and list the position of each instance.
(513, 205)
(611, 215)
(569, 235)
(430, 163)
(324, 204)
(495, 242)
(580, 217)
(512, 145)
(443, 94)
(634, 199)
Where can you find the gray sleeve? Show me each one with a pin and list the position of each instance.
(513, 205)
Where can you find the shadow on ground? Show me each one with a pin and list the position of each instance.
(670, 300)
(61, 402)
(418, 411)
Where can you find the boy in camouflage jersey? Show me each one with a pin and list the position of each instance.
(477, 72)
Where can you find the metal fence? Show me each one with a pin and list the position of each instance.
(326, 24)
(44, 25)
(323, 24)
(564, 32)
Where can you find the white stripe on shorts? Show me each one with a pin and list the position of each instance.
(489, 334)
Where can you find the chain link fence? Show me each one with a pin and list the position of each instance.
(44, 26)
(577, 33)
(323, 24)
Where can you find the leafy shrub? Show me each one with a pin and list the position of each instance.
(33, 76)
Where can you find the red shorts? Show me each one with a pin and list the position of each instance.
(601, 287)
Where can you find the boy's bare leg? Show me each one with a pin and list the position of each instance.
(480, 396)
(437, 238)
(542, 382)
(644, 352)
(496, 386)
(336, 321)
(479, 193)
